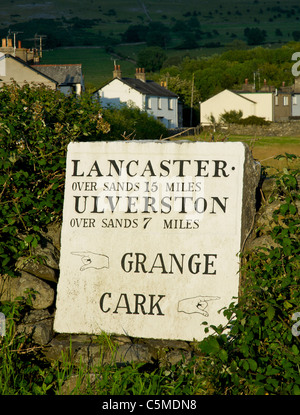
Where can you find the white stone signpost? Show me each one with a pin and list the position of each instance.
(151, 235)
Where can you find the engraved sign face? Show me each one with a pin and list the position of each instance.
(150, 237)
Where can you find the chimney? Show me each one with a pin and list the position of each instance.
(9, 43)
(283, 84)
(4, 43)
(19, 44)
(140, 74)
(117, 73)
(246, 81)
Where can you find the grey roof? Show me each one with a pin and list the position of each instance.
(240, 94)
(63, 74)
(148, 87)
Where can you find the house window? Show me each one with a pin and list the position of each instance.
(170, 103)
(276, 100)
(148, 103)
(159, 103)
(294, 99)
(285, 101)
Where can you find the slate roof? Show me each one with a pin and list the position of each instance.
(148, 87)
(63, 74)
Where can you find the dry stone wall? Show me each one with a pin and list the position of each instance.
(274, 129)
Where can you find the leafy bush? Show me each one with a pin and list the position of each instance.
(131, 122)
(253, 120)
(151, 58)
(231, 117)
(257, 353)
(235, 117)
(36, 126)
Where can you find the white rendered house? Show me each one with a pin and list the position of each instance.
(144, 94)
(259, 104)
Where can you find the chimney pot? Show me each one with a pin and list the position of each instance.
(246, 81)
(4, 43)
(283, 83)
(9, 43)
(117, 72)
(19, 44)
(140, 74)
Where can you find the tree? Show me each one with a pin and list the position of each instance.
(255, 36)
(151, 58)
(296, 35)
(158, 34)
(135, 33)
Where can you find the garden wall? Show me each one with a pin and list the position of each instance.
(279, 129)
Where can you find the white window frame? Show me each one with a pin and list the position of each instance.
(148, 103)
(159, 103)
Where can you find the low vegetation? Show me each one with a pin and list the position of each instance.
(36, 126)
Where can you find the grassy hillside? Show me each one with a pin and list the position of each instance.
(102, 29)
(220, 21)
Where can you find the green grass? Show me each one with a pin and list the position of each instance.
(225, 21)
(97, 64)
(24, 371)
(267, 141)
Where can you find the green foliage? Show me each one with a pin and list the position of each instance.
(254, 120)
(255, 36)
(256, 353)
(230, 69)
(231, 117)
(36, 126)
(151, 58)
(22, 369)
(235, 117)
(132, 123)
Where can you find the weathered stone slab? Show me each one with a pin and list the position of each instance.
(150, 236)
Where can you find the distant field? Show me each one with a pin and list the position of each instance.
(265, 149)
(220, 20)
(97, 64)
(102, 23)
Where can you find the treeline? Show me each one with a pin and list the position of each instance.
(185, 33)
(62, 32)
(197, 79)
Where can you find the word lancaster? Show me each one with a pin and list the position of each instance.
(133, 168)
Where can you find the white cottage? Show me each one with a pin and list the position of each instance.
(145, 94)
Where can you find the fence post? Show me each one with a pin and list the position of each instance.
(2, 324)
